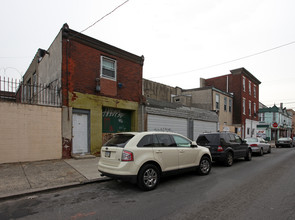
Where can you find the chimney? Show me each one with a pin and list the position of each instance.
(281, 105)
(202, 82)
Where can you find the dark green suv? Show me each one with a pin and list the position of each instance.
(225, 147)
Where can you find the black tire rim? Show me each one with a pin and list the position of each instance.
(230, 159)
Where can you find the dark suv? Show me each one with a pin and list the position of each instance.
(225, 146)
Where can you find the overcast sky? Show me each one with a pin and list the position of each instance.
(181, 40)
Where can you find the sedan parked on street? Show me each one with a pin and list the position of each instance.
(285, 142)
(258, 145)
(143, 157)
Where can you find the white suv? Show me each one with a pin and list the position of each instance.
(142, 157)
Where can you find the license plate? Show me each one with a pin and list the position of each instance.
(107, 154)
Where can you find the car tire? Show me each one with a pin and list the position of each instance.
(269, 150)
(248, 157)
(204, 166)
(148, 177)
(229, 159)
(261, 152)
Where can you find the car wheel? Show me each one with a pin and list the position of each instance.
(229, 159)
(148, 177)
(261, 152)
(269, 150)
(204, 166)
(249, 155)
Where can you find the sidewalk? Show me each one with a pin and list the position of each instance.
(29, 177)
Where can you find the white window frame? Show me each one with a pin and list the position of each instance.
(244, 84)
(225, 104)
(250, 87)
(230, 104)
(102, 58)
(217, 101)
(254, 91)
(250, 108)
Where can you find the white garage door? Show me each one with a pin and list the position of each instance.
(202, 127)
(80, 133)
(164, 123)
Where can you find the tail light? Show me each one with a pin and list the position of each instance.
(253, 145)
(219, 149)
(127, 156)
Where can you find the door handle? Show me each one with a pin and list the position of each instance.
(181, 151)
(158, 151)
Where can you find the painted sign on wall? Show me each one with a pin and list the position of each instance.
(115, 120)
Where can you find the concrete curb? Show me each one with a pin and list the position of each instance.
(48, 189)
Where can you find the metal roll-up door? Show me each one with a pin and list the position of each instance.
(203, 127)
(165, 123)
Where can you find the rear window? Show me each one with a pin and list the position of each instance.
(251, 140)
(119, 140)
(208, 139)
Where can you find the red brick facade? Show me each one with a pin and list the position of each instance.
(233, 83)
(81, 73)
(81, 68)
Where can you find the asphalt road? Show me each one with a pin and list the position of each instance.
(263, 188)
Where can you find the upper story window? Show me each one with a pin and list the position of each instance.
(261, 116)
(225, 104)
(250, 108)
(249, 87)
(244, 106)
(254, 90)
(254, 109)
(217, 100)
(244, 84)
(274, 118)
(230, 105)
(108, 68)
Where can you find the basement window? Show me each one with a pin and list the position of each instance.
(108, 68)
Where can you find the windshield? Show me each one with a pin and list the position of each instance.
(251, 140)
(119, 140)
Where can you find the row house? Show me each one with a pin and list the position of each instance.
(213, 99)
(98, 86)
(245, 90)
(274, 122)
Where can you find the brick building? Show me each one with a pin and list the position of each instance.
(245, 89)
(99, 87)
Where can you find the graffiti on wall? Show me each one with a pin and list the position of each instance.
(116, 120)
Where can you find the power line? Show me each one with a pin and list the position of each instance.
(104, 16)
(230, 61)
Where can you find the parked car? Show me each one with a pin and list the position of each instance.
(143, 157)
(258, 145)
(285, 142)
(225, 146)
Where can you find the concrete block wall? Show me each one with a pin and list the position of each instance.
(29, 133)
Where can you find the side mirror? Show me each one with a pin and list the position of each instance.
(194, 144)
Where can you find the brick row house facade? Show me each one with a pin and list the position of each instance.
(245, 90)
(99, 88)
